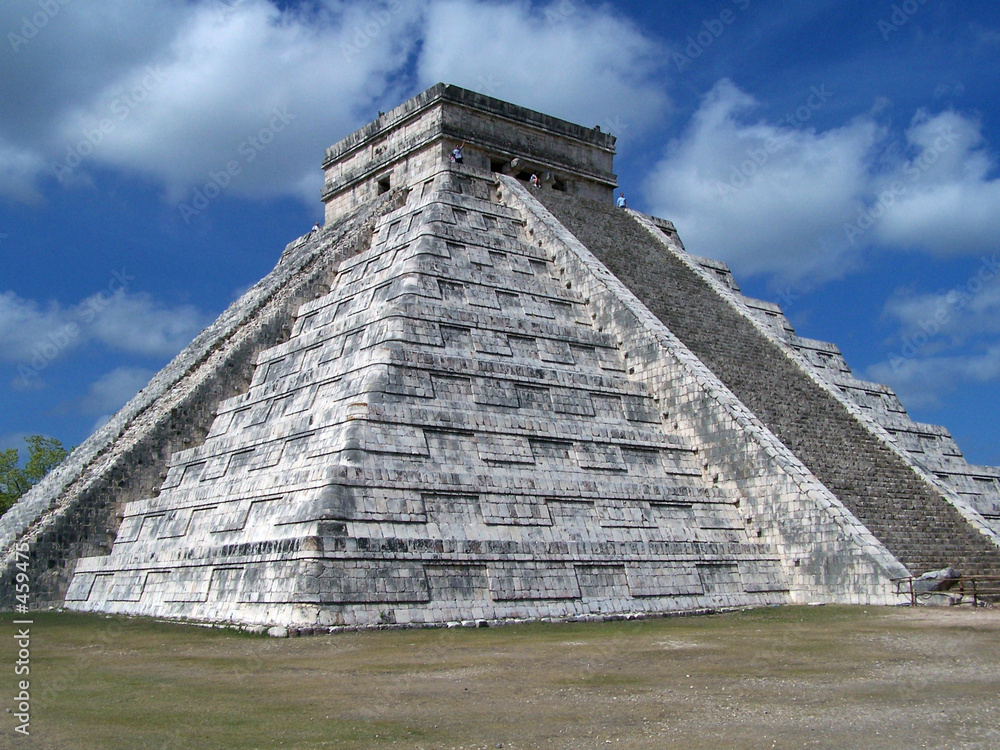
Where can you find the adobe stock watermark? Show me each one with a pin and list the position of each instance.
(557, 13)
(22, 638)
(377, 22)
(225, 8)
(78, 670)
(901, 14)
(249, 149)
(615, 125)
(488, 85)
(85, 661)
(711, 29)
(119, 110)
(786, 298)
(952, 302)
(46, 351)
(31, 26)
(757, 157)
(869, 215)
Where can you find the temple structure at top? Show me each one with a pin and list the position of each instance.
(495, 136)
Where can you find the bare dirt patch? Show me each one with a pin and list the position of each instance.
(791, 677)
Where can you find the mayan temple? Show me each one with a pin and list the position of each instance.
(471, 397)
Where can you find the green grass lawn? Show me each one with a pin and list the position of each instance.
(829, 677)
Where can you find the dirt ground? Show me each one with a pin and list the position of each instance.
(790, 677)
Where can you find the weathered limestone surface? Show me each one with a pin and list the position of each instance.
(444, 436)
(467, 399)
(75, 511)
(826, 552)
(917, 523)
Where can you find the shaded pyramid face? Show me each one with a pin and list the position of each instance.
(447, 434)
(901, 480)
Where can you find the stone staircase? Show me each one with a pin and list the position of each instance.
(929, 446)
(914, 521)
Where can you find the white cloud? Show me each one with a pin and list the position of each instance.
(943, 339)
(921, 381)
(177, 91)
(134, 323)
(139, 324)
(767, 197)
(113, 390)
(18, 169)
(968, 310)
(24, 325)
(588, 65)
(804, 205)
(172, 90)
(945, 203)
(51, 69)
(250, 84)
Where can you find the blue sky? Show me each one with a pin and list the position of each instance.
(842, 157)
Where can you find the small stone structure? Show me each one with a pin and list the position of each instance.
(468, 398)
(498, 137)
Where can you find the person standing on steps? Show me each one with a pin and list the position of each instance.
(621, 202)
(456, 155)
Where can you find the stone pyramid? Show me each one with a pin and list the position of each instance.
(470, 398)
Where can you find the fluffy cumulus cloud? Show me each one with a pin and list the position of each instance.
(786, 200)
(112, 391)
(944, 339)
(56, 57)
(548, 58)
(941, 199)
(242, 94)
(247, 94)
(767, 197)
(968, 310)
(34, 335)
(800, 205)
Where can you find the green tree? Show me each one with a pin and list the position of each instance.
(44, 454)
